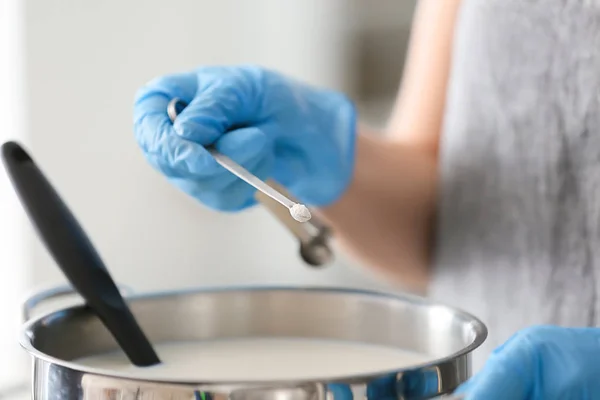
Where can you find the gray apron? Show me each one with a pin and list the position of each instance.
(518, 235)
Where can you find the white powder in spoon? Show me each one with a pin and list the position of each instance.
(300, 212)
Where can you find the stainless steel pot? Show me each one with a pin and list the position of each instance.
(58, 337)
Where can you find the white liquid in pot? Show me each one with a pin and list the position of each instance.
(261, 359)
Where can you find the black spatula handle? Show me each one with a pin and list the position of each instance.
(74, 253)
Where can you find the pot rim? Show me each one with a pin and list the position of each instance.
(480, 329)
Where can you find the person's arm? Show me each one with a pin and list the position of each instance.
(419, 111)
(385, 217)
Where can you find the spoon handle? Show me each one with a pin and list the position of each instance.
(74, 253)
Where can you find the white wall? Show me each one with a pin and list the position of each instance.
(14, 260)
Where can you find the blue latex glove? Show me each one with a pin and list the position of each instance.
(275, 127)
(541, 363)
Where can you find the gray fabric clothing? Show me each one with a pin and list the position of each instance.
(518, 238)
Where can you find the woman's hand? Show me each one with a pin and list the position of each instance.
(541, 363)
(275, 127)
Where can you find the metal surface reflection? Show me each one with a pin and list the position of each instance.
(368, 317)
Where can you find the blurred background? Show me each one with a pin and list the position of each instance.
(69, 70)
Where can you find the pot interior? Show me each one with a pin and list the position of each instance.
(407, 323)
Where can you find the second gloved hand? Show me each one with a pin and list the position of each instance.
(541, 363)
(275, 127)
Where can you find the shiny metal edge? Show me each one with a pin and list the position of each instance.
(25, 340)
(41, 294)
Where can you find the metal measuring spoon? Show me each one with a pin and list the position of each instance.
(312, 234)
(75, 255)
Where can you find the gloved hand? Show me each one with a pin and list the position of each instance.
(541, 363)
(275, 127)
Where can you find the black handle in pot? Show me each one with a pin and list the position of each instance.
(74, 253)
